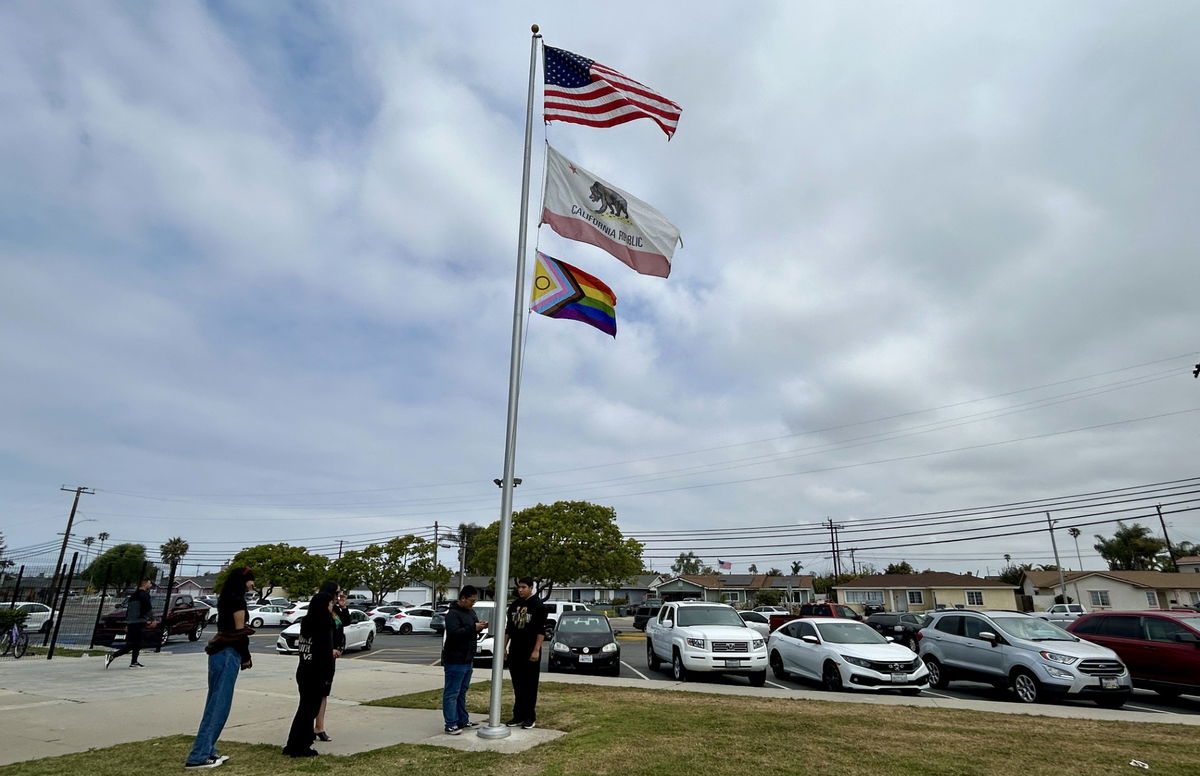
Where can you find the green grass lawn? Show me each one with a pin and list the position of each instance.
(630, 731)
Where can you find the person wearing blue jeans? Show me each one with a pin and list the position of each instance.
(458, 656)
(228, 655)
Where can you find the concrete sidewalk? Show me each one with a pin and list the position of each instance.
(66, 705)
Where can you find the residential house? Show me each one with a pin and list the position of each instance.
(634, 590)
(733, 588)
(927, 590)
(1114, 589)
(1188, 564)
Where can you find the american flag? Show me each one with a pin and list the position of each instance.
(724, 565)
(582, 91)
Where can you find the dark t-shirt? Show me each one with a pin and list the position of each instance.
(138, 612)
(226, 607)
(526, 620)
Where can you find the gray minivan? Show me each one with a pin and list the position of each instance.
(1037, 659)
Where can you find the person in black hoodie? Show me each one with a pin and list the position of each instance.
(228, 655)
(523, 638)
(137, 618)
(341, 617)
(314, 674)
(458, 658)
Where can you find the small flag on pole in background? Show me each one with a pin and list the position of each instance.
(724, 565)
(563, 291)
(580, 206)
(582, 91)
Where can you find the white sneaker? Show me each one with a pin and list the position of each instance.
(108, 660)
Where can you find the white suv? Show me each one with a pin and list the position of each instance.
(556, 608)
(705, 638)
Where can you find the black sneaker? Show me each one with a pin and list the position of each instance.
(514, 723)
(529, 724)
(468, 725)
(107, 660)
(453, 730)
(136, 665)
(211, 762)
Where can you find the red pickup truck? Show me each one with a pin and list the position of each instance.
(815, 609)
(185, 617)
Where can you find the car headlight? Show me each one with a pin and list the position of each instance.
(697, 643)
(857, 661)
(609, 647)
(1055, 657)
(759, 643)
(558, 646)
(1058, 673)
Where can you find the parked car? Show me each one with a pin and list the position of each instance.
(705, 638)
(271, 614)
(644, 614)
(381, 614)
(1063, 613)
(901, 626)
(412, 620)
(437, 623)
(210, 600)
(1160, 648)
(401, 604)
(767, 611)
(360, 634)
(758, 621)
(1038, 659)
(38, 616)
(584, 642)
(843, 654)
(828, 609)
(294, 614)
(277, 601)
(210, 611)
(555, 609)
(184, 617)
(486, 612)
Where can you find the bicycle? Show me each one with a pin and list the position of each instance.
(16, 639)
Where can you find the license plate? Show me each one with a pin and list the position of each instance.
(585, 658)
(118, 638)
(899, 678)
(733, 664)
(1109, 684)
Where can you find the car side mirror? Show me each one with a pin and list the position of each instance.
(989, 636)
(888, 639)
(668, 623)
(899, 629)
(810, 639)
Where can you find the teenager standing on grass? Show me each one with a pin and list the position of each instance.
(458, 658)
(228, 655)
(314, 674)
(523, 638)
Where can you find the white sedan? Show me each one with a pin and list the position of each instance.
(293, 615)
(844, 655)
(767, 611)
(360, 634)
(266, 615)
(38, 616)
(414, 620)
(758, 621)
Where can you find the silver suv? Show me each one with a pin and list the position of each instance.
(1038, 659)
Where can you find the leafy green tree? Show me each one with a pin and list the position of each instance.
(768, 597)
(689, 563)
(349, 571)
(295, 569)
(395, 563)
(560, 543)
(1131, 548)
(119, 566)
(1011, 574)
(464, 537)
(903, 567)
(439, 579)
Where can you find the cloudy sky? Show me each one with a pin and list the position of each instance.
(258, 265)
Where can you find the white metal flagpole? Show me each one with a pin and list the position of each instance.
(495, 728)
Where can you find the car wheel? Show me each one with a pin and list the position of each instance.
(615, 670)
(831, 677)
(678, 669)
(406, 629)
(1167, 692)
(256, 622)
(1111, 701)
(758, 678)
(197, 632)
(369, 642)
(1026, 686)
(777, 666)
(937, 675)
(379, 625)
(651, 658)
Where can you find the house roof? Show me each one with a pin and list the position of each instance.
(926, 579)
(1188, 559)
(1157, 580)
(746, 581)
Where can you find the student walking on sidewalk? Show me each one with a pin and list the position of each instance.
(138, 617)
(523, 638)
(458, 658)
(228, 655)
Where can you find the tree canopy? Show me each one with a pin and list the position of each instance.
(688, 563)
(562, 542)
(1131, 548)
(383, 568)
(903, 567)
(119, 566)
(295, 569)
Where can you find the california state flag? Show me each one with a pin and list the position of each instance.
(580, 206)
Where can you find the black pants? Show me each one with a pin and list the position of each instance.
(300, 737)
(133, 642)
(524, 674)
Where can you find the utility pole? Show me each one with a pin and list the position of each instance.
(853, 565)
(1170, 549)
(340, 543)
(66, 535)
(1062, 580)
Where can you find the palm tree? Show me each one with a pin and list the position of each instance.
(88, 541)
(103, 537)
(172, 551)
(796, 566)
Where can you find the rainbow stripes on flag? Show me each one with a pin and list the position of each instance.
(563, 291)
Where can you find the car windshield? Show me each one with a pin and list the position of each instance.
(583, 625)
(1192, 621)
(849, 633)
(709, 615)
(1032, 629)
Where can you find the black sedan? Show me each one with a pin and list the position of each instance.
(585, 641)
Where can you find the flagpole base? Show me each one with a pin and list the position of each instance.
(499, 731)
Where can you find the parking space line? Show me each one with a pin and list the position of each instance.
(631, 668)
(1144, 708)
(780, 686)
(939, 695)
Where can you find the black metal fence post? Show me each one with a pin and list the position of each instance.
(17, 585)
(63, 610)
(99, 610)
